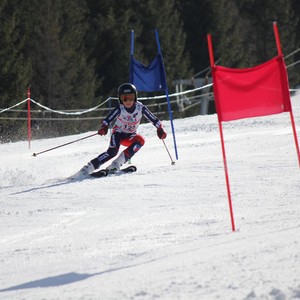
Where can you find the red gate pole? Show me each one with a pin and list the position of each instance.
(275, 27)
(28, 117)
(212, 65)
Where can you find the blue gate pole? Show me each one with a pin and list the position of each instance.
(132, 43)
(167, 95)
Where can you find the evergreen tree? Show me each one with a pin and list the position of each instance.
(111, 23)
(70, 51)
(197, 19)
(63, 74)
(258, 17)
(228, 33)
(294, 60)
(14, 68)
(163, 16)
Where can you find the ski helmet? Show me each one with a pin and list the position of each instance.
(127, 88)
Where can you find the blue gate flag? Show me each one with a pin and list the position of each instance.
(151, 78)
(148, 78)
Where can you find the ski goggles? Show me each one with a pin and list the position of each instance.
(127, 97)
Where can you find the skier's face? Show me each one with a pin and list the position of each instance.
(128, 100)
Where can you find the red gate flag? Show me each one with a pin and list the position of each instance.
(251, 92)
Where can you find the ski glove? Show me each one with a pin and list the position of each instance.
(103, 129)
(161, 133)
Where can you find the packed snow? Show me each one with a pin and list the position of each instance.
(163, 232)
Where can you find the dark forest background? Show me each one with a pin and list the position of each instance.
(75, 53)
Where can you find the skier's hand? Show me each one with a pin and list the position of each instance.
(161, 133)
(103, 129)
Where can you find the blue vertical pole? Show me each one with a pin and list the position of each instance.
(131, 66)
(132, 43)
(131, 57)
(109, 107)
(167, 94)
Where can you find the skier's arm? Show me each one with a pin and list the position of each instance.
(156, 122)
(151, 117)
(110, 118)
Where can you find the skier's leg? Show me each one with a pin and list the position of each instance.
(111, 152)
(137, 143)
(134, 143)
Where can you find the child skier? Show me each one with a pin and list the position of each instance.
(127, 118)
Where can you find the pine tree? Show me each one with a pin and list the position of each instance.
(258, 17)
(109, 36)
(197, 19)
(294, 60)
(227, 33)
(163, 16)
(63, 74)
(112, 24)
(14, 68)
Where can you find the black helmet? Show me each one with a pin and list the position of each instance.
(127, 88)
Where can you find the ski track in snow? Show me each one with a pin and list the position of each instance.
(163, 232)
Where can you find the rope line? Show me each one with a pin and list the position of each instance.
(81, 112)
(77, 112)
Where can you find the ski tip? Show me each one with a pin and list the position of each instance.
(129, 169)
(101, 173)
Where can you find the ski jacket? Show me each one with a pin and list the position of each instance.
(128, 120)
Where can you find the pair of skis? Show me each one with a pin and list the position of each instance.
(105, 172)
(102, 173)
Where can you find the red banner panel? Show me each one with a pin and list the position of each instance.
(251, 92)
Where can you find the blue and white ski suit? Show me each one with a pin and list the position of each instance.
(126, 122)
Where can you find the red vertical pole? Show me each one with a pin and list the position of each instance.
(275, 27)
(210, 49)
(295, 135)
(28, 117)
(227, 177)
(212, 63)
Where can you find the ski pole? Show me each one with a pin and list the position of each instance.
(35, 154)
(172, 161)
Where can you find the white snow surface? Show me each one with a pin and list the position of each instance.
(163, 232)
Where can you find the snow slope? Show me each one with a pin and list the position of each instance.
(163, 232)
